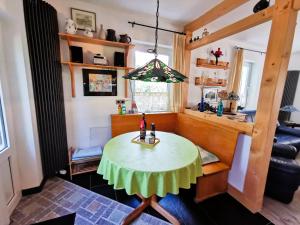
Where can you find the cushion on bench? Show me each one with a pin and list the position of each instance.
(206, 156)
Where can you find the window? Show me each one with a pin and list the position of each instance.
(245, 83)
(150, 96)
(3, 140)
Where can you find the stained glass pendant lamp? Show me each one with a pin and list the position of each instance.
(155, 70)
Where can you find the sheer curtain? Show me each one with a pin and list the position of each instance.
(178, 64)
(236, 74)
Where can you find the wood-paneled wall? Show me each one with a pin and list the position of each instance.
(121, 124)
(216, 138)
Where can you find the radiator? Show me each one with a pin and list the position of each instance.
(44, 52)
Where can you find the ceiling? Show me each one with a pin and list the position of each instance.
(181, 12)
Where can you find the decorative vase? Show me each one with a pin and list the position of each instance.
(220, 108)
(217, 60)
(102, 34)
(202, 103)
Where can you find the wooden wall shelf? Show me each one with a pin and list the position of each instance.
(82, 39)
(212, 65)
(86, 65)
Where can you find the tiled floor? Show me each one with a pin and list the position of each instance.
(219, 210)
(60, 198)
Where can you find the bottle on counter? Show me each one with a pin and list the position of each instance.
(119, 108)
(143, 127)
(220, 108)
(123, 108)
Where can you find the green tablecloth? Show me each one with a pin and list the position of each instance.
(172, 164)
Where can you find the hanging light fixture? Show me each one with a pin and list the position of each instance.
(155, 70)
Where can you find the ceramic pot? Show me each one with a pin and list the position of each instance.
(124, 38)
(261, 5)
(88, 32)
(111, 35)
(70, 26)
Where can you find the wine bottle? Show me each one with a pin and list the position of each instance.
(143, 127)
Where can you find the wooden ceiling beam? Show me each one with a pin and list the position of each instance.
(242, 25)
(297, 4)
(219, 10)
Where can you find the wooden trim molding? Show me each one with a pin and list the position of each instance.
(219, 10)
(242, 25)
(297, 4)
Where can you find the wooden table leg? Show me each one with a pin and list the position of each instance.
(152, 201)
(155, 205)
(137, 212)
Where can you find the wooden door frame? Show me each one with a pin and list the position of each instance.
(284, 16)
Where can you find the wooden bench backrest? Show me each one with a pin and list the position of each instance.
(217, 139)
(121, 124)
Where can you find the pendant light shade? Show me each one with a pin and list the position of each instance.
(155, 71)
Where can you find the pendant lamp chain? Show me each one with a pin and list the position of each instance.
(154, 51)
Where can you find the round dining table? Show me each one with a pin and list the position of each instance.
(150, 171)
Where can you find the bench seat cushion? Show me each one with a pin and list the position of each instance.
(213, 168)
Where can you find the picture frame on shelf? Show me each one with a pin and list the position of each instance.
(84, 19)
(210, 95)
(99, 82)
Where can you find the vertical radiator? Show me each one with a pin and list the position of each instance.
(44, 52)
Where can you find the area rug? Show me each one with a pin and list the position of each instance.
(60, 197)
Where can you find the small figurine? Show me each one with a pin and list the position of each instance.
(88, 32)
(205, 33)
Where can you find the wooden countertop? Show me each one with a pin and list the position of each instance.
(243, 127)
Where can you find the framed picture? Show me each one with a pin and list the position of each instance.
(84, 19)
(210, 95)
(99, 82)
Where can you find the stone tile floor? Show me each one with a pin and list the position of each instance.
(218, 210)
(60, 197)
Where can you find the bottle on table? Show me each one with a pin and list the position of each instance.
(152, 134)
(143, 128)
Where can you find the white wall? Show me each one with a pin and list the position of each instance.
(295, 65)
(18, 76)
(88, 118)
(227, 46)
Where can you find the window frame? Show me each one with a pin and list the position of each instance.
(250, 65)
(167, 51)
(3, 133)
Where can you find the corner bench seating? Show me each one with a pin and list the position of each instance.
(217, 139)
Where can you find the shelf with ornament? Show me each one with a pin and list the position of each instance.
(211, 64)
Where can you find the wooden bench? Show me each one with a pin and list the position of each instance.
(217, 139)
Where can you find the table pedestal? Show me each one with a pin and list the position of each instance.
(152, 201)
